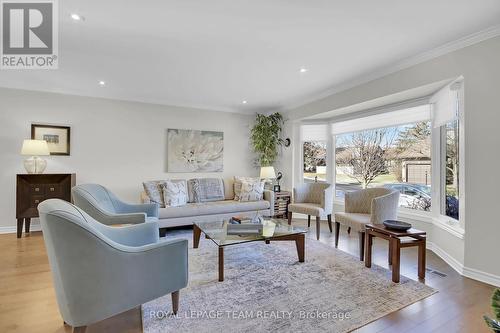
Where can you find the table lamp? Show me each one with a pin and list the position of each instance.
(267, 173)
(35, 148)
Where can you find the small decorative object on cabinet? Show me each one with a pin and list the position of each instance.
(35, 188)
(281, 202)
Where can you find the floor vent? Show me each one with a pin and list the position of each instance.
(439, 274)
(432, 271)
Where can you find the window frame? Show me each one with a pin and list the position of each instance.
(326, 158)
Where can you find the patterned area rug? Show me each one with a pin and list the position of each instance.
(267, 289)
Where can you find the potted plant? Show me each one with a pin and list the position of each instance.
(494, 324)
(266, 137)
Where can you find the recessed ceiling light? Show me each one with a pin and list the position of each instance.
(303, 70)
(102, 83)
(77, 17)
(244, 102)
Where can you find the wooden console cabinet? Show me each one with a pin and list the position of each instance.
(31, 189)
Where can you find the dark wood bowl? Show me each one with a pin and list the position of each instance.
(397, 225)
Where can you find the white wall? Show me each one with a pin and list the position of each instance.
(480, 66)
(117, 144)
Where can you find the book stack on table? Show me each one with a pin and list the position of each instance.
(242, 226)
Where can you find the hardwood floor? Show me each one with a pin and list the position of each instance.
(28, 304)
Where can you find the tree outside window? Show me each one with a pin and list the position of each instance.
(394, 157)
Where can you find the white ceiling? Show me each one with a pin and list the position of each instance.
(215, 54)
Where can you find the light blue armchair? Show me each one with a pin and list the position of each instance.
(105, 207)
(100, 271)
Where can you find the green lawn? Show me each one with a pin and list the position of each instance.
(382, 179)
(344, 179)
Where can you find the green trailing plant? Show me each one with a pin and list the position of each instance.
(266, 137)
(494, 323)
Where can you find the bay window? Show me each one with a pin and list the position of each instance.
(413, 147)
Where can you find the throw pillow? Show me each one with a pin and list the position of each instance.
(237, 185)
(205, 189)
(174, 193)
(251, 191)
(154, 192)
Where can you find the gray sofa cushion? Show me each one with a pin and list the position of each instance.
(212, 208)
(237, 184)
(205, 189)
(154, 192)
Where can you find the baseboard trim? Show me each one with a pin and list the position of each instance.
(454, 263)
(476, 274)
(13, 229)
(471, 273)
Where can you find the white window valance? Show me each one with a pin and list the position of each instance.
(314, 132)
(387, 119)
(445, 104)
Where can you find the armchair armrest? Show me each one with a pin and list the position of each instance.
(132, 235)
(384, 207)
(269, 196)
(327, 200)
(111, 219)
(165, 264)
(151, 209)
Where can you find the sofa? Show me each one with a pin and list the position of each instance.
(211, 211)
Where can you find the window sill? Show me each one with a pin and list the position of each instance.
(450, 226)
(441, 222)
(404, 213)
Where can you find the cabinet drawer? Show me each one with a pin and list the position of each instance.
(53, 190)
(37, 189)
(35, 200)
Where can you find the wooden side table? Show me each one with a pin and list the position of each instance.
(281, 201)
(397, 240)
(31, 189)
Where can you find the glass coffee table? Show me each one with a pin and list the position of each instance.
(273, 230)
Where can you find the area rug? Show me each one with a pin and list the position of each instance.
(267, 289)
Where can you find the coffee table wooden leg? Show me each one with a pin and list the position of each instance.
(300, 243)
(368, 249)
(421, 259)
(389, 257)
(196, 236)
(318, 225)
(221, 263)
(396, 256)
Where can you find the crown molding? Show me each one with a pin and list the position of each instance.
(449, 47)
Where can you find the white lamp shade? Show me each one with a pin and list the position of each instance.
(267, 172)
(35, 148)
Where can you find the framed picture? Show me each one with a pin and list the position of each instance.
(57, 137)
(194, 151)
(277, 188)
